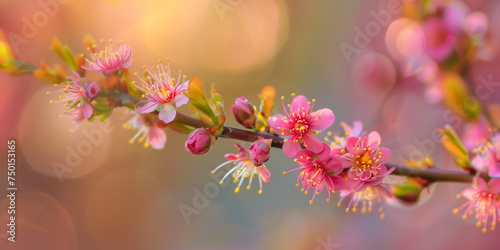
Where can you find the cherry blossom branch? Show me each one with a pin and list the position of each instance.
(432, 174)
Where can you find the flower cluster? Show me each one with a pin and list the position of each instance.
(353, 163)
(436, 35)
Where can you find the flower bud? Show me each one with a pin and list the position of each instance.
(199, 141)
(260, 151)
(244, 112)
(92, 90)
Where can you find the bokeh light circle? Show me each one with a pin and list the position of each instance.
(50, 148)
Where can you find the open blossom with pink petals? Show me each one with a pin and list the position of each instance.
(366, 198)
(483, 200)
(113, 57)
(366, 160)
(487, 156)
(300, 125)
(319, 171)
(244, 168)
(77, 94)
(147, 131)
(162, 92)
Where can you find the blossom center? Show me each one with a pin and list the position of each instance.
(365, 160)
(301, 126)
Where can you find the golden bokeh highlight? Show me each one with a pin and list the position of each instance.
(52, 149)
(200, 32)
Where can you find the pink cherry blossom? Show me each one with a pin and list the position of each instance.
(475, 132)
(483, 200)
(319, 171)
(113, 57)
(161, 91)
(487, 156)
(366, 160)
(300, 125)
(366, 198)
(147, 131)
(80, 112)
(76, 96)
(244, 168)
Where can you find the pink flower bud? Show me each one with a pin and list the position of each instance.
(244, 112)
(260, 151)
(199, 141)
(92, 90)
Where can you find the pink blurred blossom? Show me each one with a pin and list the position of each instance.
(244, 168)
(147, 131)
(113, 57)
(483, 200)
(319, 171)
(439, 41)
(367, 198)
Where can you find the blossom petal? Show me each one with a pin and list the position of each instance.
(351, 144)
(494, 170)
(146, 106)
(300, 102)
(355, 130)
(325, 154)
(385, 156)
(167, 114)
(264, 173)
(290, 148)
(181, 100)
(322, 119)
(181, 87)
(157, 138)
(469, 193)
(373, 137)
(481, 161)
(304, 157)
(312, 143)
(333, 164)
(339, 183)
(87, 110)
(277, 123)
(494, 185)
(479, 183)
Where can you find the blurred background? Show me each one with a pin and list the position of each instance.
(122, 196)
